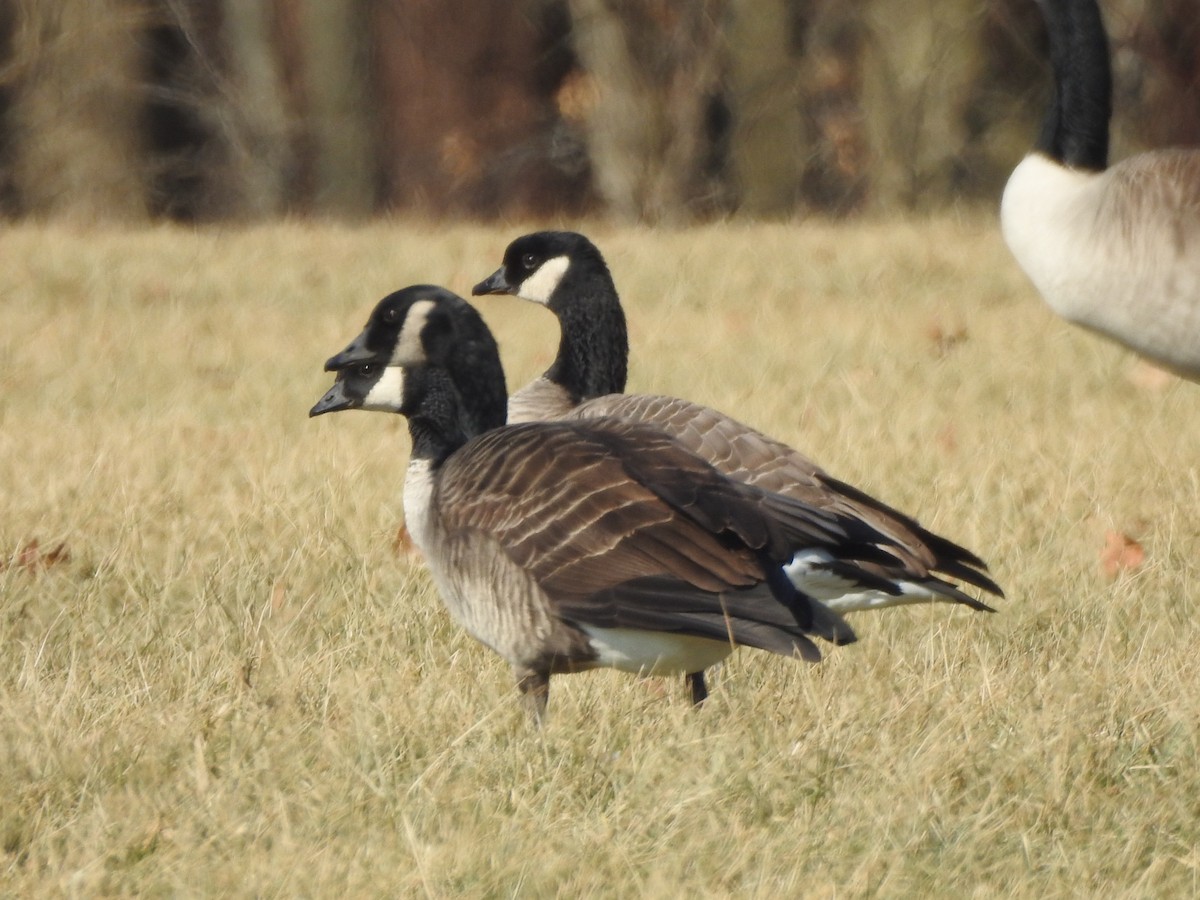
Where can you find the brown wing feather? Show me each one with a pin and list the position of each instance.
(565, 509)
(747, 455)
(616, 522)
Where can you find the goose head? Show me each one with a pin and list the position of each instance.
(564, 271)
(366, 386)
(536, 265)
(424, 325)
(417, 325)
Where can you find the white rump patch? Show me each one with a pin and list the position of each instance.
(841, 594)
(653, 652)
(387, 395)
(409, 349)
(539, 286)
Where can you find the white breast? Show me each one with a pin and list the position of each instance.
(1046, 215)
(484, 591)
(418, 505)
(1114, 251)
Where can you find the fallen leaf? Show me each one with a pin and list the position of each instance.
(33, 559)
(1149, 377)
(735, 322)
(947, 439)
(1120, 553)
(945, 338)
(403, 546)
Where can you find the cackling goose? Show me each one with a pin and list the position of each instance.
(577, 544)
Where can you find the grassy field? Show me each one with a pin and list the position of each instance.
(220, 678)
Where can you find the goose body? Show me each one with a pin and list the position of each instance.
(1114, 249)
(570, 545)
(586, 380)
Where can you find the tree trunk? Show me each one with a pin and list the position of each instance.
(657, 68)
(468, 120)
(767, 151)
(921, 58)
(337, 113)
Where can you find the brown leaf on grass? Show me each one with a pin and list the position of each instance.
(278, 596)
(735, 322)
(33, 559)
(1121, 553)
(943, 337)
(947, 439)
(403, 546)
(1150, 378)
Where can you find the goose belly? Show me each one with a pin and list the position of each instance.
(493, 600)
(654, 652)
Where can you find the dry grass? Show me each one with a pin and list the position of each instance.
(234, 686)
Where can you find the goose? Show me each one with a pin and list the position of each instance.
(565, 272)
(1115, 249)
(406, 329)
(576, 544)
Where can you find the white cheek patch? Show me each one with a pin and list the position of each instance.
(539, 286)
(388, 393)
(409, 351)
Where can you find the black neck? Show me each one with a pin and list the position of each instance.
(473, 361)
(436, 420)
(479, 377)
(1075, 129)
(593, 351)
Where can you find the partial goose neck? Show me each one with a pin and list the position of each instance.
(438, 425)
(478, 375)
(1075, 129)
(593, 351)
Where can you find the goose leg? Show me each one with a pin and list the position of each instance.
(695, 681)
(535, 693)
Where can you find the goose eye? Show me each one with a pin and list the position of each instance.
(391, 315)
(529, 261)
(366, 370)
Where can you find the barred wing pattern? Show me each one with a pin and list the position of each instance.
(910, 552)
(571, 504)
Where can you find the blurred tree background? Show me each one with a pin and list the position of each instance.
(653, 110)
